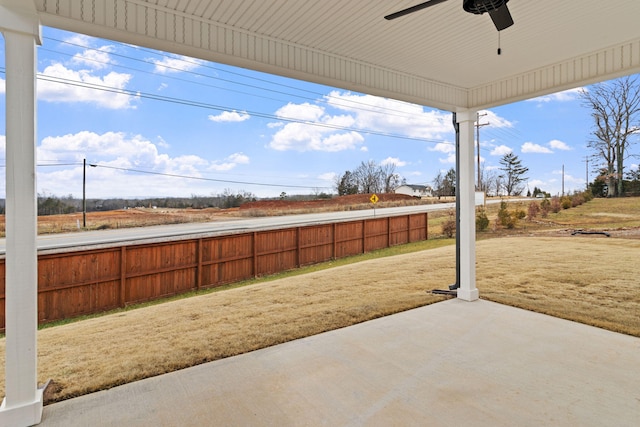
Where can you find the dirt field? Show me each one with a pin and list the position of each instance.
(144, 217)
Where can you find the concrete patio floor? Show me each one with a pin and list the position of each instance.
(448, 364)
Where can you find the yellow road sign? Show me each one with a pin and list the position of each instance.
(374, 199)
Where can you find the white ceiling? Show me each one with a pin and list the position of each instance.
(441, 56)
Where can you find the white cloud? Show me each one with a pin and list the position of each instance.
(364, 149)
(239, 158)
(230, 162)
(501, 150)
(2, 86)
(559, 145)
(175, 64)
(494, 120)
(322, 136)
(61, 91)
(230, 116)
(301, 112)
(94, 58)
(451, 159)
(530, 147)
(444, 147)
(564, 96)
(116, 153)
(393, 161)
(386, 115)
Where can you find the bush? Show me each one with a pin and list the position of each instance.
(482, 221)
(545, 207)
(449, 226)
(555, 205)
(565, 202)
(533, 210)
(505, 218)
(577, 200)
(519, 214)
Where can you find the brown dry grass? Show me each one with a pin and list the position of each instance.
(587, 279)
(592, 280)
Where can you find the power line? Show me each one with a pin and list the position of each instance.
(203, 178)
(358, 105)
(138, 94)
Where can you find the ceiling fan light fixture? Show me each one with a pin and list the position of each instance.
(479, 7)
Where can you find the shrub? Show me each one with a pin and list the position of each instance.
(545, 207)
(555, 205)
(449, 226)
(482, 221)
(519, 214)
(577, 200)
(565, 202)
(505, 218)
(533, 210)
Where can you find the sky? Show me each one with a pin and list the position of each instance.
(162, 125)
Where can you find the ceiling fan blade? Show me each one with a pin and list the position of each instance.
(501, 17)
(413, 9)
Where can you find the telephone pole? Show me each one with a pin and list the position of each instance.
(586, 159)
(478, 126)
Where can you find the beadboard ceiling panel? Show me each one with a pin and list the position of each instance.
(441, 56)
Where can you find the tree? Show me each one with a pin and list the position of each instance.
(445, 184)
(514, 174)
(346, 184)
(615, 109)
(389, 177)
(369, 177)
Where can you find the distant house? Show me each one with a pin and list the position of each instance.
(415, 190)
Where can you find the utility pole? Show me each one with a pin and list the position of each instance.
(478, 126)
(84, 191)
(563, 180)
(586, 158)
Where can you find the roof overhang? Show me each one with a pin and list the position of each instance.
(441, 56)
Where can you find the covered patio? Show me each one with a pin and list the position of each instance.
(440, 57)
(447, 364)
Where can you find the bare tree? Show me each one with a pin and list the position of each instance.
(615, 108)
(389, 177)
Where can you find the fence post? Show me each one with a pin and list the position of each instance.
(388, 231)
(255, 254)
(364, 236)
(335, 242)
(199, 266)
(123, 276)
(298, 246)
(426, 226)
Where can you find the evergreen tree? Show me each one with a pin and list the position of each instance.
(514, 174)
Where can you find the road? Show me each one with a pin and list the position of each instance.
(236, 225)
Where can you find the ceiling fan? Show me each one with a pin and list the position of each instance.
(497, 10)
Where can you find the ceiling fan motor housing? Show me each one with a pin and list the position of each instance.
(479, 7)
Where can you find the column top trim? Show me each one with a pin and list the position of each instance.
(22, 21)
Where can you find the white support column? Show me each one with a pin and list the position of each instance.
(22, 405)
(467, 221)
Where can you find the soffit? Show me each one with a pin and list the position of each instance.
(441, 56)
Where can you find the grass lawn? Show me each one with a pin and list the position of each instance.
(588, 279)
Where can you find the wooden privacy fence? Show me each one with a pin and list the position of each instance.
(73, 283)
